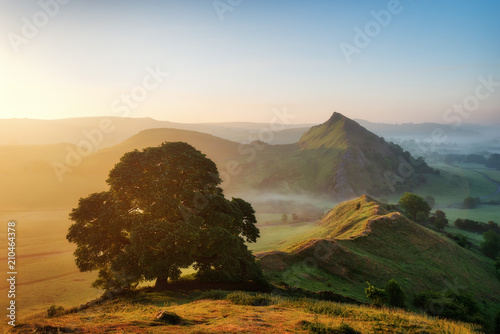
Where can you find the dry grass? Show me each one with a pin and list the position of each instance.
(137, 315)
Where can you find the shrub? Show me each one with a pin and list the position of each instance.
(413, 204)
(55, 311)
(469, 203)
(462, 241)
(395, 295)
(451, 305)
(378, 297)
(491, 244)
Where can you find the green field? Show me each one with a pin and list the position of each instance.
(281, 236)
(453, 186)
(379, 247)
(475, 238)
(47, 273)
(483, 213)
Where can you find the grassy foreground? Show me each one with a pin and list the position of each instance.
(217, 311)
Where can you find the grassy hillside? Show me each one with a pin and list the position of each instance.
(28, 170)
(217, 149)
(235, 312)
(339, 158)
(361, 240)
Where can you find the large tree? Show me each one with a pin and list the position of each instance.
(164, 211)
(413, 204)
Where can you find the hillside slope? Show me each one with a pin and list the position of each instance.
(29, 174)
(339, 158)
(360, 240)
(235, 312)
(217, 149)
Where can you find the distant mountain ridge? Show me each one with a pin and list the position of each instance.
(38, 131)
(338, 158)
(429, 131)
(71, 130)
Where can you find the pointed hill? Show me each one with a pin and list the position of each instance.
(361, 240)
(338, 132)
(339, 158)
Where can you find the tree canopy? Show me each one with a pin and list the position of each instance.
(164, 211)
(469, 203)
(491, 244)
(413, 204)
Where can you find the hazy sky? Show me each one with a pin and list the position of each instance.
(236, 60)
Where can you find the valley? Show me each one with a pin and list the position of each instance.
(303, 181)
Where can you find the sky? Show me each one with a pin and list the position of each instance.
(239, 60)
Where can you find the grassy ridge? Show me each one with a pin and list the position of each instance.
(237, 312)
(379, 247)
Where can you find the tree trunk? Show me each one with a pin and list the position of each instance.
(161, 283)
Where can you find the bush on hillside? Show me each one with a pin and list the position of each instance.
(413, 204)
(469, 203)
(395, 295)
(377, 297)
(55, 311)
(462, 241)
(491, 244)
(455, 305)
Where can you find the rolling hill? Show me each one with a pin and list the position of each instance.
(74, 130)
(361, 240)
(339, 158)
(29, 171)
